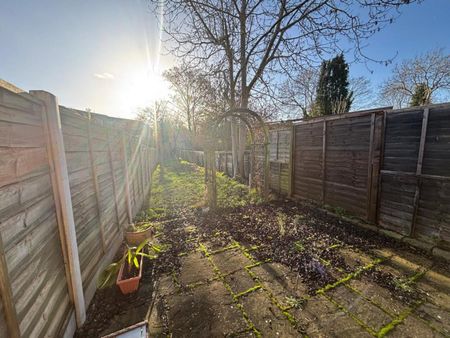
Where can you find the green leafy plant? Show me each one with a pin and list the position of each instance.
(340, 212)
(403, 284)
(139, 226)
(131, 257)
(298, 245)
(294, 302)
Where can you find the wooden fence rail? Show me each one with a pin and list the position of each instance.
(69, 182)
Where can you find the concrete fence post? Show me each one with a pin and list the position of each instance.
(62, 191)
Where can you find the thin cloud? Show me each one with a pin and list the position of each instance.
(104, 76)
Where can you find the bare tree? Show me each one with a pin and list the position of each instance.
(363, 93)
(193, 94)
(252, 39)
(299, 91)
(431, 70)
(146, 115)
(156, 111)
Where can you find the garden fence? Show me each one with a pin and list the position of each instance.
(69, 182)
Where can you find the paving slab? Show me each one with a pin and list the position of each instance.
(436, 316)
(356, 305)
(266, 317)
(321, 318)
(230, 261)
(207, 311)
(413, 327)
(240, 281)
(281, 282)
(353, 258)
(378, 295)
(196, 268)
(166, 286)
(436, 285)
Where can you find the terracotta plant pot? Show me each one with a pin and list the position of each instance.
(129, 285)
(136, 238)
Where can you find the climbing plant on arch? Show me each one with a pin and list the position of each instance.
(250, 118)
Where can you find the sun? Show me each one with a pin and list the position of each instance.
(142, 88)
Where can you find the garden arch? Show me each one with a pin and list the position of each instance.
(245, 115)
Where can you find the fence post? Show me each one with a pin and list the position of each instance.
(64, 198)
(292, 162)
(423, 139)
(12, 323)
(381, 164)
(370, 168)
(324, 159)
(266, 170)
(127, 180)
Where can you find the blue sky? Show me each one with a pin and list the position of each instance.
(420, 28)
(98, 54)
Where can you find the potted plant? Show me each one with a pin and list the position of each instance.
(138, 232)
(127, 271)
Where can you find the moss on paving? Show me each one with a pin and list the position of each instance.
(269, 294)
(349, 276)
(246, 292)
(251, 326)
(351, 315)
(390, 326)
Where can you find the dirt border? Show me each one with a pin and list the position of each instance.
(429, 248)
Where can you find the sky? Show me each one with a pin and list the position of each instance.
(105, 54)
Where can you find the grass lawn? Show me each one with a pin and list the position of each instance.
(179, 188)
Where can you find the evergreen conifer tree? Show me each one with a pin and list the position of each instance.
(333, 95)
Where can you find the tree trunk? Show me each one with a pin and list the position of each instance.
(244, 90)
(242, 145)
(234, 146)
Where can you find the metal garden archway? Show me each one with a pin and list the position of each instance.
(246, 116)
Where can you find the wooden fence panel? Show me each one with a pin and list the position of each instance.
(335, 161)
(346, 165)
(415, 189)
(28, 221)
(83, 192)
(308, 161)
(433, 214)
(415, 178)
(436, 160)
(279, 158)
(401, 149)
(105, 183)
